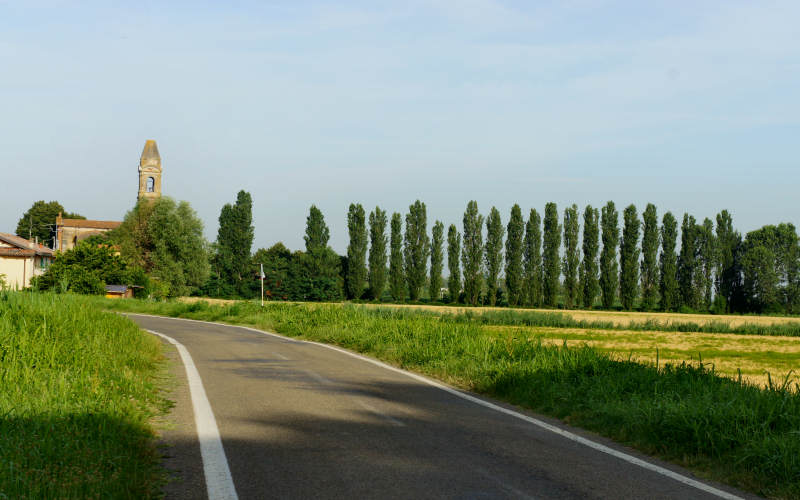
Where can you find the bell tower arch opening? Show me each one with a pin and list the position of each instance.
(150, 172)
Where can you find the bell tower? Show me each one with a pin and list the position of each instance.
(150, 172)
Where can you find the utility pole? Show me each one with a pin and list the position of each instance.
(261, 276)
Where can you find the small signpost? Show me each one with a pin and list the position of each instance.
(261, 276)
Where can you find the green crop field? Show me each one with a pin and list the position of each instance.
(729, 430)
(78, 389)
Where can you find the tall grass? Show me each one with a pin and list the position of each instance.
(729, 430)
(77, 389)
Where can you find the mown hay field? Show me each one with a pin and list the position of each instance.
(758, 359)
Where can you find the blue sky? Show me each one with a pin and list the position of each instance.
(693, 106)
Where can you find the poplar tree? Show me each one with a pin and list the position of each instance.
(321, 265)
(514, 279)
(417, 247)
(454, 262)
(609, 269)
(356, 252)
(532, 259)
(397, 279)
(706, 249)
(377, 252)
(234, 243)
(687, 263)
(317, 232)
(668, 265)
(437, 260)
(649, 278)
(571, 256)
(493, 254)
(472, 253)
(551, 266)
(629, 258)
(591, 245)
(728, 283)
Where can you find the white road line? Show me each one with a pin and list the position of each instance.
(281, 356)
(539, 423)
(319, 378)
(376, 411)
(215, 465)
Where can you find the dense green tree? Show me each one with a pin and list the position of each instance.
(532, 260)
(668, 263)
(472, 253)
(317, 232)
(356, 279)
(39, 221)
(454, 262)
(728, 282)
(591, 246)
(234, 243)
(280, 273)
(609, 268)
(493, 254)
(377, 252)
(706, 250)
(571, 256)
(687, 263)
(514, 250)
(629, 258)
(397, 277)
(417, 247)
(165, 239)
(551, 266)
(770, 269)
(437, 260)
(649, 267)
(87, 268)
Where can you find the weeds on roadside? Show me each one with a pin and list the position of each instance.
(77, 391)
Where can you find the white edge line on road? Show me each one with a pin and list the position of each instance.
(215, 465)
(539, 423)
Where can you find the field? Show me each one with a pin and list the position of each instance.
(764, 358)
(725, 429)
(78, 389)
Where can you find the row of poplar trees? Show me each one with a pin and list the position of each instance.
(638, 266)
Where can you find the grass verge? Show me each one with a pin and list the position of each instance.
(78, 387)
(727, 430)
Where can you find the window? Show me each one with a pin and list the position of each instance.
(151, 184)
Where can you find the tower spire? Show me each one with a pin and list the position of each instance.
(150, 172)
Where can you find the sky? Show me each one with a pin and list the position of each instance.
(692, 106)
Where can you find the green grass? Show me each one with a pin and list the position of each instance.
(78, 387)
(724, 429)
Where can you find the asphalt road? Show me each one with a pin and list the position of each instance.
(298, 420)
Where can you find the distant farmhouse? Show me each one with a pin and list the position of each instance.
(70, 231)
(21, 260)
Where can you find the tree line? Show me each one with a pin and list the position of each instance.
(551, 259)
(565, 260)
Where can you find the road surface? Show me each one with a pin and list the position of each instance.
(299, 420)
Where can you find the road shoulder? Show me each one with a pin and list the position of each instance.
(177, 440)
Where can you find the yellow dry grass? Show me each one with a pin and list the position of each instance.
(757, 358)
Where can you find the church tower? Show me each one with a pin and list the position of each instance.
(150, 172)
